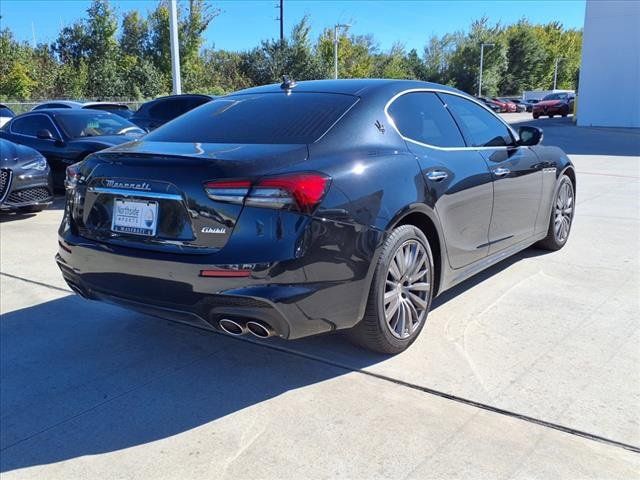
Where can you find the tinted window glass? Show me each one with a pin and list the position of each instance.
(91, 125)
(31, 124)
(480, 125)
(274, 118)
(174, 107)
(421, 116)
(6, 112)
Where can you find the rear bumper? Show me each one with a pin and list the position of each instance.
(296, 298)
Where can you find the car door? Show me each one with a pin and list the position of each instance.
(455, 176)
(516, 171)
(24, 130)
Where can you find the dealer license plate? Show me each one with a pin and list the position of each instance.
(134, 217)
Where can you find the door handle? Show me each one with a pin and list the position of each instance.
(437, 175)
(501, 172)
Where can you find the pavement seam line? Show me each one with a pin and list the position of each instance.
(448, 396)
(35, 282)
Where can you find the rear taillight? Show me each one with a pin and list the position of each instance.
(73, 175)
(232, 191)
(300, 191)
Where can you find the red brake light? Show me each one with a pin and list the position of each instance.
(298, 191)
(304, 191)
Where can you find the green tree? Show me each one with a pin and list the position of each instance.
(525, 57)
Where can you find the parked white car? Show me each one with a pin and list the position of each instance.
(6, 114)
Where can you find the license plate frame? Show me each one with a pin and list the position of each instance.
(135, 217)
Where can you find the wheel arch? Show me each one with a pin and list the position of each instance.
(571, 173)
(427, 221)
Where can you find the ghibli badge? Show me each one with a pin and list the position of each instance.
(218, 230)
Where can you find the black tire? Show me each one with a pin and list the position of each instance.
(373, 332)
(553, 241)
(32, 208)
(536, 116)
(550, 116)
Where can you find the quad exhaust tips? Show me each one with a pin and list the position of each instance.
(236, 329)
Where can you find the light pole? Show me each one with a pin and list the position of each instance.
(175, 51)
(555, 71)
(481, 63)
(335, 46)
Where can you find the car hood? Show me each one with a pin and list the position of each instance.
(549, 103)
(12, 154)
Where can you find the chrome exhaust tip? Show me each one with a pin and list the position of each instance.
(232, 327)
(260, 330)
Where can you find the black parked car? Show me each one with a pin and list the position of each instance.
(25, 179)
(293, 210)
(157, 112)
(65, 136)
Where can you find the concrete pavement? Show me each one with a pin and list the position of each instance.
(512, 368)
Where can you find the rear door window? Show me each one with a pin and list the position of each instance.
(269, 118)
(422, 117)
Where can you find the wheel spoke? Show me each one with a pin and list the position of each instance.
(417, 301)
(420, 286)
(392, 308)
(390, 295)
(393, 270)
(414, 316)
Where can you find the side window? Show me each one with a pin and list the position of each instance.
(421, 116)
(480, 125)
(31, 124)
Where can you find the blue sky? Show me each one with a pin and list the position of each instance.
(243, 23)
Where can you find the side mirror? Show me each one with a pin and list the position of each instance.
(529, 136)
(45, 134)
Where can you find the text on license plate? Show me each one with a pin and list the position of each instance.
(134, 217)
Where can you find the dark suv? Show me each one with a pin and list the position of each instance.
(157, 112)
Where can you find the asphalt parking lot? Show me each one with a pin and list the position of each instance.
(529, 370)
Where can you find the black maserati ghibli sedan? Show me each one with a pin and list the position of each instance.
(25, 179)
(66, 135)
(296, 209)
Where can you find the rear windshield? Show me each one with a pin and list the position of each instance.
(273, 118)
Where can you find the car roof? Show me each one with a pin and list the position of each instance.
(70, 103)
(66, 111)
(358, 87)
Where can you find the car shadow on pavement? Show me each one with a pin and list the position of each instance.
(84, 378)
(81, 378)
(574, 140)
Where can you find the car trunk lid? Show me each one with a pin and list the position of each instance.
(150, 195)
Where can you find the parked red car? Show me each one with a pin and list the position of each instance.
(554, 104)
(507, 106)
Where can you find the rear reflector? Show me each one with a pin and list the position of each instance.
(299, 191)
(225, 273)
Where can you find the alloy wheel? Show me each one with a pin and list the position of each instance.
(407, 289)
(563, 212)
